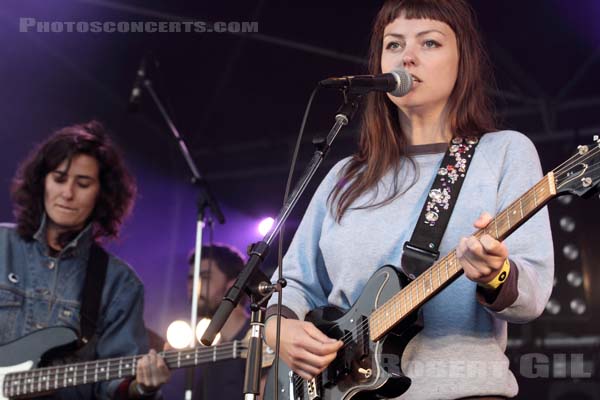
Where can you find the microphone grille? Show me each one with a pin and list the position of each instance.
(404, 81)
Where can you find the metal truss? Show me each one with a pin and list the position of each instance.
(529, 99)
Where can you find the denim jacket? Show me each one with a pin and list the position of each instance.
(39, 291)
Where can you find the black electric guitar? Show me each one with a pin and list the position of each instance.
(386, 315)
(19, 380)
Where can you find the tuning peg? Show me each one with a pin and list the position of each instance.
(586, 181)
(596, 139)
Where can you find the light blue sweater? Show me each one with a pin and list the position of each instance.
(460, 351)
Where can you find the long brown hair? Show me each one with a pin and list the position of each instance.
(382, 143)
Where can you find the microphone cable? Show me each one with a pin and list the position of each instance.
(280, 247)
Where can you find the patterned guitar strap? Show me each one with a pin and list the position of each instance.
(422, 250)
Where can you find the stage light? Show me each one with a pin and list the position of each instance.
(565, 200)
(553, 307)
(574, 278)
(179, 334)
(201, 327)
(571, 252)
(567, 224)
(578, 306)
(265, 225)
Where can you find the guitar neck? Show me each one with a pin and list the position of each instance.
(57, 377)
(444, 271)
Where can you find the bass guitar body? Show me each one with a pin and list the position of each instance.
(363, 369)
(36, 349)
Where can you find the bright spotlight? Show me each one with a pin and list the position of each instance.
(201, 327)
(567, 224)
(265, 225)
(566, 200)
(179, 334)
(571, 252)
(578, 306)
(553, 307)
(574, 278)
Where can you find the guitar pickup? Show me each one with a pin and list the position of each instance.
(363, 338)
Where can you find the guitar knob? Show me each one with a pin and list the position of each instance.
(587, 181)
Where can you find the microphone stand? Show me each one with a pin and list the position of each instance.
(252, 280)
(205, 200)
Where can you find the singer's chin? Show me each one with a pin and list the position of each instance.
(407, 99)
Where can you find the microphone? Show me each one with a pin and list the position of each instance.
(136, 91)
(397, 83)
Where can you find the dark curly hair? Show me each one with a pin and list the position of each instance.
(117, 187)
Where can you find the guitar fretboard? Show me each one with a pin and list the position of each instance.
(58, 377)
(444, 271)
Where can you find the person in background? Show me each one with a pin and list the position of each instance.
(219, 267)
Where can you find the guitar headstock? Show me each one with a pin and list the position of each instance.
(580, 174)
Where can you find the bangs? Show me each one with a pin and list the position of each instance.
(418, 9)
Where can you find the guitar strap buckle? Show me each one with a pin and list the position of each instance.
(416, 260)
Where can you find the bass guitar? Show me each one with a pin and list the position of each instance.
(386, 315)
(19, 380)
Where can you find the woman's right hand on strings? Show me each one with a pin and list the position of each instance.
(304, 348)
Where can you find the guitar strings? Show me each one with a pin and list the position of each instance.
(565, 165)
(298, 381)
(165, 354)
(211, 354)
(34, 382)
(31, 382)
(537, 189)
(111, 365)
(567, 178)
(592, 149)
(499, 220)
(502, 219)
(593, 168)
(503, 214)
